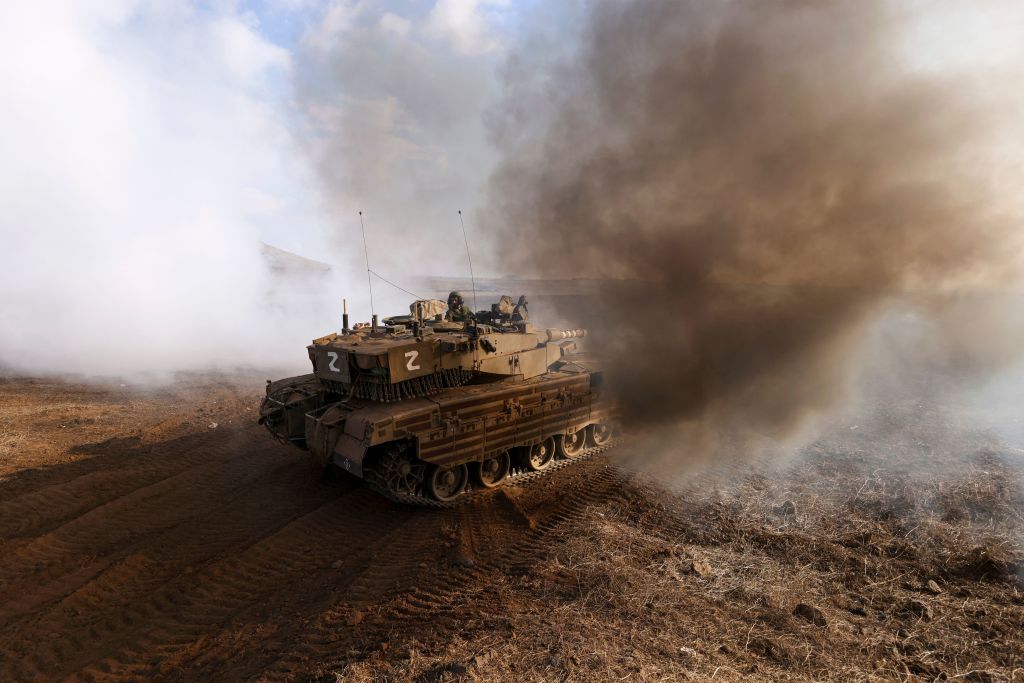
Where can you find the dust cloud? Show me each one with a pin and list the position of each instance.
(758, 183)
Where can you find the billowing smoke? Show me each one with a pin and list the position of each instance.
(757, 182)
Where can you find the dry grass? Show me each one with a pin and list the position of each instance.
(10, 440)
(910, 562)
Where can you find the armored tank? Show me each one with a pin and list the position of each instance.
(426, 410)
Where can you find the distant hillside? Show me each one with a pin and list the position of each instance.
(286, 264)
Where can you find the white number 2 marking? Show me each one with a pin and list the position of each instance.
(334, 359)
(411, 363)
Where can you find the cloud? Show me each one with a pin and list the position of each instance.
(465, 23)
(334, 22)
(392, 23)
(246, 55)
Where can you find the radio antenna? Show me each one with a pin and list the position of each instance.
(366, 253)
(472, 279)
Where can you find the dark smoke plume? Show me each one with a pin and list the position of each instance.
(755, 181)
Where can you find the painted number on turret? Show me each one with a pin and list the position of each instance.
(410, 360)
(332, 364)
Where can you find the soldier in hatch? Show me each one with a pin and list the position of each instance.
(457, 311)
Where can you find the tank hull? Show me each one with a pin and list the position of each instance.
(455, 427)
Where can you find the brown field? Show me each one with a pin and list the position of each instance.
(140, 542)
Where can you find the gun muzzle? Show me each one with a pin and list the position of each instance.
(555, 335)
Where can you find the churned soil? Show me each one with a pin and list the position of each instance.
(160, 534)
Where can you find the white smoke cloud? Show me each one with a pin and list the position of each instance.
(149, 147)
(145, 154)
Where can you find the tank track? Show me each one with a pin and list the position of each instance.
(518, 475)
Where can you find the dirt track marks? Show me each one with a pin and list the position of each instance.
(74, 589)
(491, 541)
(220, 555)
(37, 500)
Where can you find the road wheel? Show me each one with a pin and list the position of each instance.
(446, 483)
(571, 445)
(541, 455)
(599, 434)
(493, 471)
(398, 471)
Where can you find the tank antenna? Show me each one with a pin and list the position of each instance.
(366, 253)
(468, 257)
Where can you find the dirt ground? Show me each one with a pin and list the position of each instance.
(162, 535)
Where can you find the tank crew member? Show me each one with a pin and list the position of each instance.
(457, 311)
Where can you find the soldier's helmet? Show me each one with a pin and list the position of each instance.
(454, 300)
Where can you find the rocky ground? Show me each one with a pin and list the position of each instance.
(160, 534)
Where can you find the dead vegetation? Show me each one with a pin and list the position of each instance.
(849, 563)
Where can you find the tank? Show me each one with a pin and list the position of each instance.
(427, 411)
